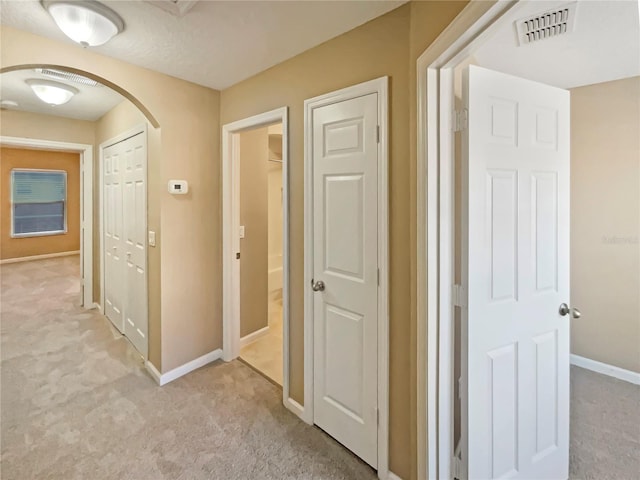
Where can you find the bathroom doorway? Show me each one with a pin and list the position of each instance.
(261, 227)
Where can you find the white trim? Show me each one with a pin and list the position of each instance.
(136, 130)
(379, 86)
(231, 239)
(86, 201)
(252, 337)
(155, 374)
(606, 369)
(39, 257)
(393, 476)
(182, 370)
(294, 407)
(435, 233)
(97, 306)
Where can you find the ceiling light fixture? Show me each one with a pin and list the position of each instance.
(86, 22)
(53, 93)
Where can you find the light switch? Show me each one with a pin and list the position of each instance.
(242, 231)
(152, 238)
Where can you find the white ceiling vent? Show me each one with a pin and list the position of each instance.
(69, 77)
(177, 8)
(558, 21)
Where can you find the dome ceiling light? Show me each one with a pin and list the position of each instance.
(53, 93)
(86, 22)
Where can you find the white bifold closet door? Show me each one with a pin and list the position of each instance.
(125, 245)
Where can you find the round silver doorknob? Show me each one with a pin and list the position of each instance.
(576, 313)
(317, 286)
(564, 309)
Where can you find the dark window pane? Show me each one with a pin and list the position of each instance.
(38, 217)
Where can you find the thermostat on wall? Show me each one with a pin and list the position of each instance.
(178, 187)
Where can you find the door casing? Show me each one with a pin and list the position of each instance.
(379, 86)
(435, 226)
(142, 128)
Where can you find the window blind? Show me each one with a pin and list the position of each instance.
(38, 186)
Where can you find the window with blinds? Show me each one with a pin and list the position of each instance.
(38, 202)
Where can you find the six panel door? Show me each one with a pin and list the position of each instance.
(125, 226)
(516, 365)
(345, 185)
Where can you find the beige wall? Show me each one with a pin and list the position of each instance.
(190, 245)
(11, 158)
(254, 254)
(605, 222)
(46, 127)
(117, 121)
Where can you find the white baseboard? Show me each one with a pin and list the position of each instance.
(606, 369)
(294, 407)
(39, 257)
(252, 337)
(393, 476)
(170, 376)
(98, 307)
(157, 376)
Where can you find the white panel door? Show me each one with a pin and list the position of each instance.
(516, 408)
(345, 251)
(135, 241)
(125, 229)
(113, 226)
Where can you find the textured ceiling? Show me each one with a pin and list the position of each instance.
(90, 103)
(216, 43)
(604, 46)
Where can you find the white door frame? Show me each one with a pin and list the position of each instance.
(142, 128)
(436, 229)
(231, 237)
(86, 201)
(381, 87)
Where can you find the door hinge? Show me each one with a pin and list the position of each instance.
(460, 120)
(459, 294)
(378, 133)
(378, 277)
(238, 256)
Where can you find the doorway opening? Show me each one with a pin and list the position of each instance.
(488, 38)
(261, 227)
(74, 237)
(256, 245)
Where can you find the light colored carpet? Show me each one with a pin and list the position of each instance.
(605, 427)
(78, 404)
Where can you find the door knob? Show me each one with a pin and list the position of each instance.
(317, 286)
(565, 310)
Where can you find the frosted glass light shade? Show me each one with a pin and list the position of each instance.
(53, 93)
(86, 22)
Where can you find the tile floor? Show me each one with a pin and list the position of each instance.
(265, 353)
